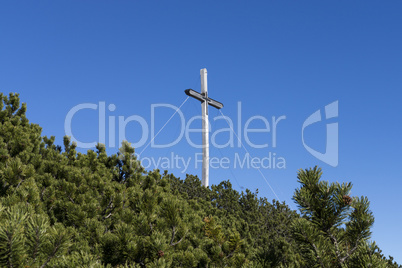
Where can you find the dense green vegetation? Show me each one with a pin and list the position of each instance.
(60, 208)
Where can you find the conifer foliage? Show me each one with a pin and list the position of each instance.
(62, 208)
(334, 228)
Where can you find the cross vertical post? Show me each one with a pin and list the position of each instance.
(205, 129)
(205, 101)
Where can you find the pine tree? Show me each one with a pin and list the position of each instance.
(63, 208)
(334, 228)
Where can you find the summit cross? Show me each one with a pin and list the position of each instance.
(205, 101)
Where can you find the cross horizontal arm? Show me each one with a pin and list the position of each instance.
(201, 97)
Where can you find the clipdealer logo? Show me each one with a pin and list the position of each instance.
(331, 154)
(235, 138)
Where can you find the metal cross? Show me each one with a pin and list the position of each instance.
(205, 101)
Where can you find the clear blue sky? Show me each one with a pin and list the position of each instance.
(278, 58)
